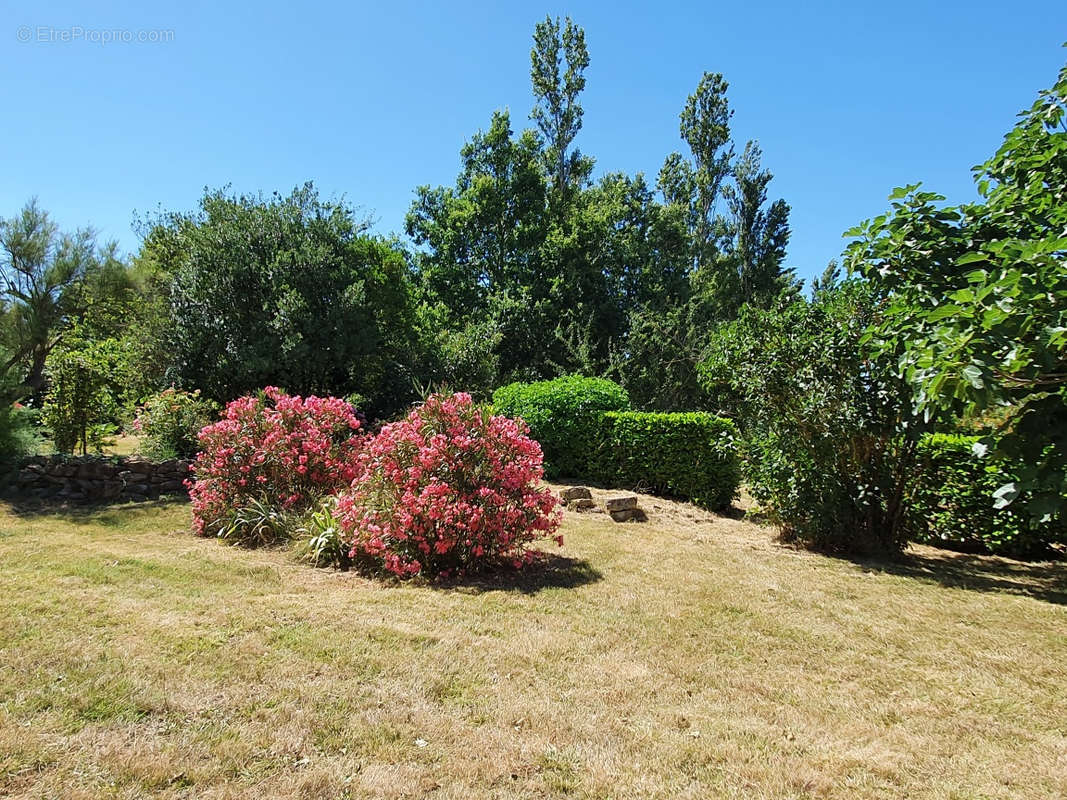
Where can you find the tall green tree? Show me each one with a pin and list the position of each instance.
(558, 62)
(49, 280)
(482, 235)
(695, 184)
(758, 236)
(615, 253)
(737, 252)
(481, 246)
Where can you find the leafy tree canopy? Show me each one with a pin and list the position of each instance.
(49, 281)
(287, 291)
(976, 311)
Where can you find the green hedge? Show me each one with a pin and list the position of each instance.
(689, 455)
(563, 416)
(952, 504)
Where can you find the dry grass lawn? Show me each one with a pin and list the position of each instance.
(685, 657)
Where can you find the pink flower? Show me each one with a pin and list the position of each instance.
(274, 445)
(446, 490)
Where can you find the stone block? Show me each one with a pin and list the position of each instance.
(627, 502)
(574, 493)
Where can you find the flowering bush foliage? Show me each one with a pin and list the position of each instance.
(280, 450)
(169, 421)
(446, 490)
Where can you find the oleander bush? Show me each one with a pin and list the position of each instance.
(169, 422)
(450, 489)
(563, 415)
(689, 455)
(274, 451)
(952, 505)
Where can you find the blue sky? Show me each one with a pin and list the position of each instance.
(368, 101)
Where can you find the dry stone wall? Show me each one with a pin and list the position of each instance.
(95, 479)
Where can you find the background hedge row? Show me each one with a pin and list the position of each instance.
(563, 415)
(588, 432)
(952, 503)
(691, 455)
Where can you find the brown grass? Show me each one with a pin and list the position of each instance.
(685, 657)
(124, 444)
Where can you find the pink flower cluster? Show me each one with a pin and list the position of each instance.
(446, 490)
(284, 450)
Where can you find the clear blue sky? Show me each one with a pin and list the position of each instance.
(369, 100)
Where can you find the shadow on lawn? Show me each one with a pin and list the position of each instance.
(1045, 580)
(99, 513)
(550, 572)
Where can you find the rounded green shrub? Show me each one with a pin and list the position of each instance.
(689, 455)
(564, 416)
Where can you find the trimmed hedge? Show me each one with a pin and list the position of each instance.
(690, 455)
(952, 504)
(563, 415)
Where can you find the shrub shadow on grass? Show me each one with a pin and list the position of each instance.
(1046, 581)
(735, 512)
(549, 572)
(100, 513)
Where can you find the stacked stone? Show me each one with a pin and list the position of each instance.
(622, 508)
(577, 497)
(94, 479)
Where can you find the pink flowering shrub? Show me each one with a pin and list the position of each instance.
(447, 490)
(275, 451)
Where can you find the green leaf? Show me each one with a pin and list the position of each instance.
(973, 374)
(942, 312)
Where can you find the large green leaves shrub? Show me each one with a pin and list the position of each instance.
(951, 505)
(976, 312)
(563, 415)
(829, 434)
(690, 455)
